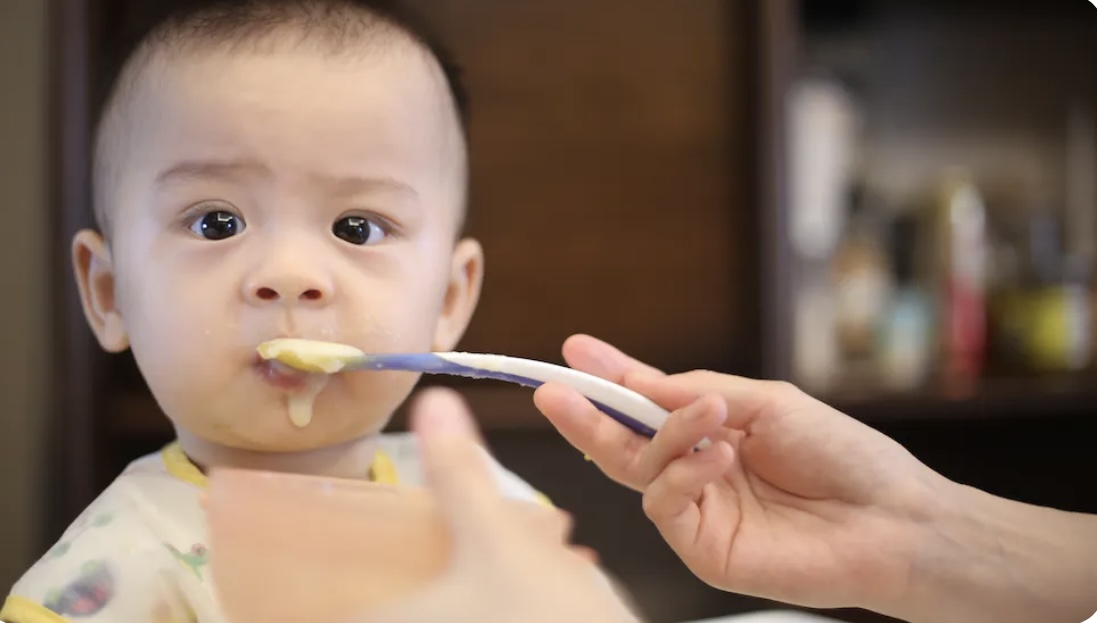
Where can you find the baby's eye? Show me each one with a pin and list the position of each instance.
(218, 225)
(358, 230)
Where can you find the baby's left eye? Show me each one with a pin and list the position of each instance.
(358, 230)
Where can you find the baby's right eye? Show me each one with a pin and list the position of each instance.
(217, 225)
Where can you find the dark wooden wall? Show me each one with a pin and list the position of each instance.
(609, 173)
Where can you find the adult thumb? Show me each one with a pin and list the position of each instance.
(456, 466)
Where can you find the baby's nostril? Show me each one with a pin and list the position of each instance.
(311, 295)
(267, 294)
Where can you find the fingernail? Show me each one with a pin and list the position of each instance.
(694, 411)
(714, 451)
(606, 363)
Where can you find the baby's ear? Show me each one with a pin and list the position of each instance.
(95, 277)
(462, 294)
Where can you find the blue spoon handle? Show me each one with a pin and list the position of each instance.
(525, 372)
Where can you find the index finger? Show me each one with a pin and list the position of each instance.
(594, 356)
(615, 449)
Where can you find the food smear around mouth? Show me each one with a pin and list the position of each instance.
(309, 355)
(300, 403)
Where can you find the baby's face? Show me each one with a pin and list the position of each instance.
(287, 194)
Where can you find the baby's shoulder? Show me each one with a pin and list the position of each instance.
(403, 450)
(111, 564)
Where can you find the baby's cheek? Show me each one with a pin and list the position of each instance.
(395, 330)
(174, 367)
(382, 387)
(379, 394)
(182, 358)
(147, 302)
(176, 341)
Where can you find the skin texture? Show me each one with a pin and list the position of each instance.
(290, 141)
(797, 502)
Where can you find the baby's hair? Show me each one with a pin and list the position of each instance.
(334, 26)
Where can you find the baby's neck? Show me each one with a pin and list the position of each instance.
(348, 460)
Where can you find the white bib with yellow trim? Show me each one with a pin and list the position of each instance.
(138, 553)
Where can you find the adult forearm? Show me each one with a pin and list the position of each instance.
(995, 560)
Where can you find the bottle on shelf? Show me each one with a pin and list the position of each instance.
(905, 338)
(959, 255)
(862, 284)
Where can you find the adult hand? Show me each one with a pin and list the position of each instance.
(793, 501)
(504, 568)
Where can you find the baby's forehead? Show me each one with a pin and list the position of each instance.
(347, 98)
(393, 63)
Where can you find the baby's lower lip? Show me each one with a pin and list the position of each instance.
(281, 375)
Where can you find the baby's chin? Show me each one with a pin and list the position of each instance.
(273, 431)
(256, 414)
(300, 442)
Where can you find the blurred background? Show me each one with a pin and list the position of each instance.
(888, 202)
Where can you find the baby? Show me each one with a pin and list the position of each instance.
(262, 169)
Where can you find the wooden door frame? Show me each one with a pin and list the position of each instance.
(73, 427)
(775, 44)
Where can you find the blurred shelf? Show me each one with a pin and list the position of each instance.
(998, 399)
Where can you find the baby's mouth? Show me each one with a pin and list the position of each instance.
(282, 376)
(301, 388)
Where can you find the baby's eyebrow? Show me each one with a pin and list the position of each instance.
(215, 169)
(355, 185)
(234, 170)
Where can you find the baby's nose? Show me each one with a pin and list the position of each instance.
(265, 293)
(288, 288)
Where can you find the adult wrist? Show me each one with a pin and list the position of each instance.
(986, 558)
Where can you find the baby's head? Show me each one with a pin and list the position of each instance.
(278, 168)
